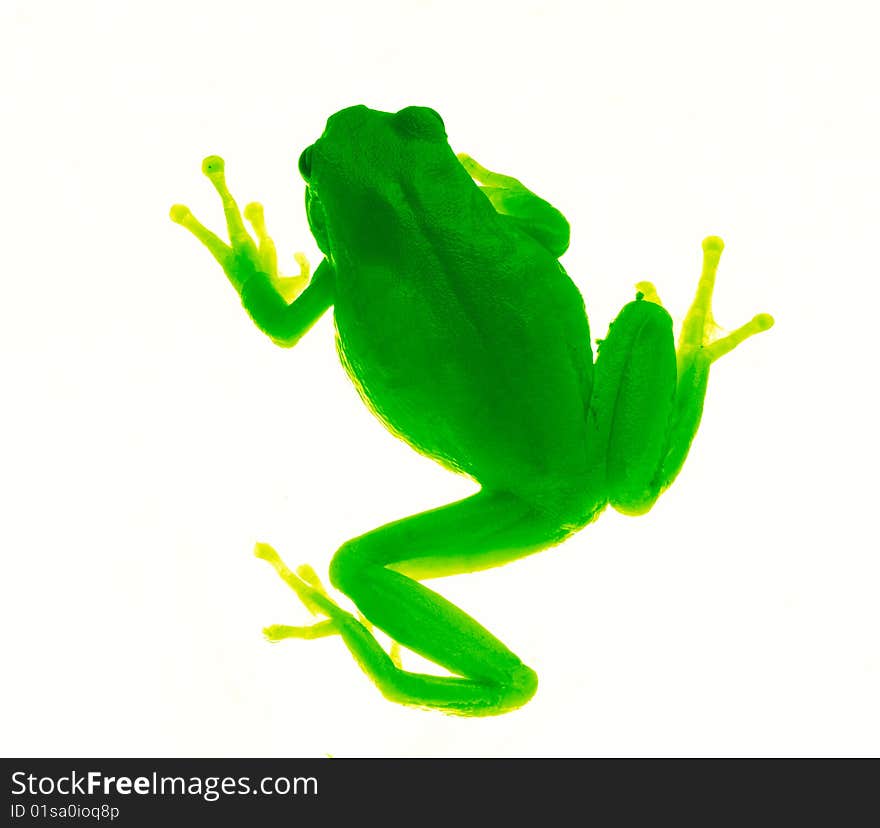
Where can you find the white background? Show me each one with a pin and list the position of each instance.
(150, 434)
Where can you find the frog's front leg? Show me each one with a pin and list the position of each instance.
(378, 571)
(648, 397)
(284, 308)
(531, 213)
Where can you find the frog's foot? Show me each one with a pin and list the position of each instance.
(510, 197)
(698, 347)
(242, 256)
(697, 338)
(309, 589)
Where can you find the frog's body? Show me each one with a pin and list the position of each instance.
(466, 337)
(420, 346)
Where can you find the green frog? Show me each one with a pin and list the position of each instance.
(464, 335)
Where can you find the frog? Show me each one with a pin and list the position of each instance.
(463, 333)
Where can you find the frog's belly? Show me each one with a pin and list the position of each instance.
(502, 401)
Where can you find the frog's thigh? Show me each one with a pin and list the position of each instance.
(532, 214)
(632, 399)
(373, 570)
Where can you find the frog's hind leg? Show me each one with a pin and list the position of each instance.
(534, 216)
(648, 395)
(377, 572)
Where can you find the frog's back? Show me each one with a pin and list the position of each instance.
(476, 352)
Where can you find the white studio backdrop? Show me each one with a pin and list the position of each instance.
(149, 434)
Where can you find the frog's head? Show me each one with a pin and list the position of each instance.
(367, 171)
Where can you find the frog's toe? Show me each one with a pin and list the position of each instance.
(213, 165)
(647, 292)
(179, 213)
(311, 578)
(395, 656)
(182, 215)
(280, 632)
(304, 582)
(485, 176)
(724, 345)
(253, 214)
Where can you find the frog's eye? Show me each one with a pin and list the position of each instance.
(305, 163)
(420, 122)
(429, 113)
